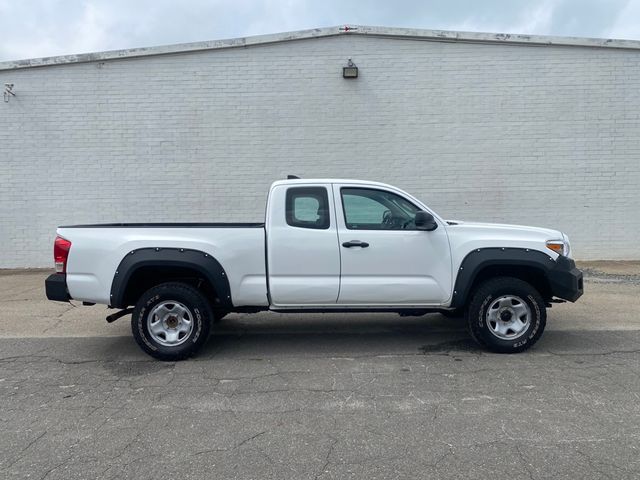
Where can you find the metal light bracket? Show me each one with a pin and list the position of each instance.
(8, 93)
(350, 71)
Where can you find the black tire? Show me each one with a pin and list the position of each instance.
(199, 311)
(483, 298)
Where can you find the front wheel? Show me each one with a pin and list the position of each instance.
(171, 321)
(506, 315)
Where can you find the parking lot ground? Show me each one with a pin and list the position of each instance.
(321, 396)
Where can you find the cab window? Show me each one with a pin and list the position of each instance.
(370, 209)
(307, 207)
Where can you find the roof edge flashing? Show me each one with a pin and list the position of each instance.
(387, 32)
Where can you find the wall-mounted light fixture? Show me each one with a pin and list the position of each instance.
(350, 71)
(8, 87)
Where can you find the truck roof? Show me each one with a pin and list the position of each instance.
(306, 181)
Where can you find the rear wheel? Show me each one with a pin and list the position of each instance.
(171, 321)
(506, 315)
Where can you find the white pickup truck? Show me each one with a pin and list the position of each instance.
(326, 246)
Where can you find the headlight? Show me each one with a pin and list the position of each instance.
(561, 247)
(567, 246)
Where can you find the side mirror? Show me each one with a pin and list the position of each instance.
(425, 221)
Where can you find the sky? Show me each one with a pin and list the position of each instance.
(40, 28)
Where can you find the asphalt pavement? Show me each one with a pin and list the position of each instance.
(321, 396)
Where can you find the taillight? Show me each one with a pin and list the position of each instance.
(61, 249)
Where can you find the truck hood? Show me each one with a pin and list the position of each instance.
(499, 229)
(465, 237)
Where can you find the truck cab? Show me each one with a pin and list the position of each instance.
(354, 244)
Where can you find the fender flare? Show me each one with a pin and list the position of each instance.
(197, 260)
(482, 258)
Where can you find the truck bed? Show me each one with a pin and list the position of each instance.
(168, 225)
(96, 253)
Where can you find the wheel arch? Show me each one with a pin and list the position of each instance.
(144, 268)
(529, 265)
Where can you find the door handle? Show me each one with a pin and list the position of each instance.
(355, 243)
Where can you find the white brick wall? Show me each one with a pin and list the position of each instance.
(540, 135)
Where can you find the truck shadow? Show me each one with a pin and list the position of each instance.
(273, 335)
(364, 335)
(270, 336)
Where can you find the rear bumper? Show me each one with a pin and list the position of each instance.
(56, 287)
(566, 280)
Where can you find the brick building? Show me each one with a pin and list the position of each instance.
(504, 128)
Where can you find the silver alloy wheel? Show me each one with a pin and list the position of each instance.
(170, 323)
(508, 317)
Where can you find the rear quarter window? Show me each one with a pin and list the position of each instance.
(307, 207)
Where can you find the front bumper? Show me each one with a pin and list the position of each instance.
(566, 280)
(56, 287)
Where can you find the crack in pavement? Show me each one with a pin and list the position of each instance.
(525, 464)
(20, 454)
(324, 469)
(235, 447)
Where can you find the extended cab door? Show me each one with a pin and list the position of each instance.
(385, 260)
(303, 259)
